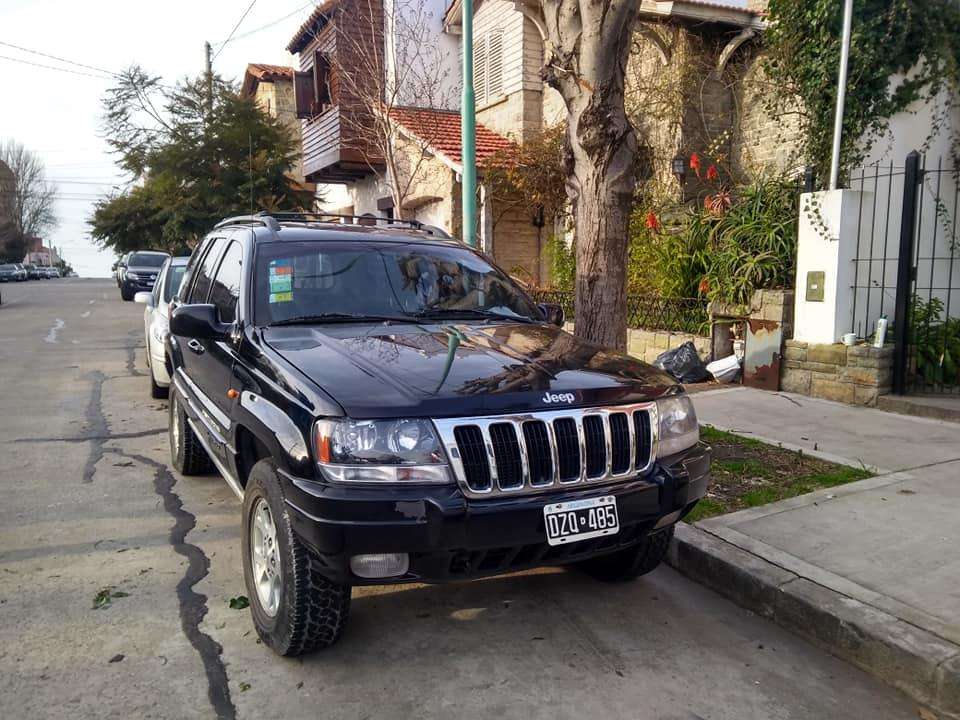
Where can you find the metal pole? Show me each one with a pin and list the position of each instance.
(841, 94)
(911, 179)
(208, 76)
(468, 131)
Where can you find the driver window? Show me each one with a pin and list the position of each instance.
(225, 290)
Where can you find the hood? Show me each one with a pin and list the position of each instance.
(462, 369)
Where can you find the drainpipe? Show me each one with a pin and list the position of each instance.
(468, 132)
(841, 94)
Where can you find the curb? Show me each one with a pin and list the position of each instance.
(920, 664)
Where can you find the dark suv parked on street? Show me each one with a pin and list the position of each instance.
(140, 272)
(391, 407)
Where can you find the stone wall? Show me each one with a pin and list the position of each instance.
(647, 344)
(856, 375)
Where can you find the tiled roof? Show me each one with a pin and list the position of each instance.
(311, 26)
(269, 73)
(441, 129)
(261, 72)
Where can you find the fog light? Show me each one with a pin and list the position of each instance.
(380, 565)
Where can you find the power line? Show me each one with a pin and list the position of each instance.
(235, 27)
(269, 25)
(60, 59)
(51, 67)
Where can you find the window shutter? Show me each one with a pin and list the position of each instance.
(480, 70)
(495, 65)
(303, 94)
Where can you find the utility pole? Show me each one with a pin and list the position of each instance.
(208, 75)
(468, 132)
(841, 94)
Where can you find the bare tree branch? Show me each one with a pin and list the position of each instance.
(25, 197)
(389, 58)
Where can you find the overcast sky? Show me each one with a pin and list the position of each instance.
(56, 114)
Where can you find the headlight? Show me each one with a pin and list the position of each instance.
(679, 429)
(378, 451)
(132, 276)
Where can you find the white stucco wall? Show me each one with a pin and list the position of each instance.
(437, 55)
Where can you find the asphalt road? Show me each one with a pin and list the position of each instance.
(89, 504)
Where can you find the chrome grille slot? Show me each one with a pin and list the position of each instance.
(473, 457)
(620, 443)
(539, 454)
(568, 448)
(506, 453)
(644, 438)
(540, 451)
(595, 445)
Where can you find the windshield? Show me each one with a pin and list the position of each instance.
(303, 280)
(146, 260)
(174, 278)
(7, 267)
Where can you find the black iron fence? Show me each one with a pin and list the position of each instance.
(647, 312)
(907, 268)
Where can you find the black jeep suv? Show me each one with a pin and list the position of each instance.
(392, 408)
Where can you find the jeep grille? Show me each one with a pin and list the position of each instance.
(550, 450)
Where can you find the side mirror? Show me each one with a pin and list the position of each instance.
(552, 313)
(144, 298)
(198, 321)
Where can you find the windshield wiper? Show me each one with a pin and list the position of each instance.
(337, 318)
(470, 312)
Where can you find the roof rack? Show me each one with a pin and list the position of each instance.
(272, 220)
(258, 219)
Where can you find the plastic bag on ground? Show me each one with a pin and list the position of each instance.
(683, 363)
(724, 370)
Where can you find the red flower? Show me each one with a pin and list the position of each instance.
(695, 163)
(652, 221)
(704, 286)
(712, 173)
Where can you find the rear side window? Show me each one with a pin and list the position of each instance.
(204, 273)
(172, 285)
(226, 286)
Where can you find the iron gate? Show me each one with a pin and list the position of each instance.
(907, 268)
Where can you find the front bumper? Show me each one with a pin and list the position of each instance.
(449, 537)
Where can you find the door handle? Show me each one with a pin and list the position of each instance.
(196, 346)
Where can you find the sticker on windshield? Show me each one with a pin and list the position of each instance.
(281, 281)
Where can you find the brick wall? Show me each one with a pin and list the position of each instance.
(856, 375)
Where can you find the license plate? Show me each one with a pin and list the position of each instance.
(569, 522)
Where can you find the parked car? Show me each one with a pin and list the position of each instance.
(392, 408)
(33, 271)
(53, 272)
(156, 321)
(140, 272)
(8, 273)
(21, 272)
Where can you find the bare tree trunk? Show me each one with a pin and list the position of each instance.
(587, 49)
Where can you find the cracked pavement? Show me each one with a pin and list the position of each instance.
(90, 503)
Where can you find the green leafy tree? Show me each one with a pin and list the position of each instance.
(197, 154)
(915, 43)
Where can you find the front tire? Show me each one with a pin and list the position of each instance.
(125, 294)
(295, 609)
(186, 452)
(632, 562)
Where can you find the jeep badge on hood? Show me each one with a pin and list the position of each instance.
(549, 398)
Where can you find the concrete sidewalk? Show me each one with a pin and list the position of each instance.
(869, 570)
